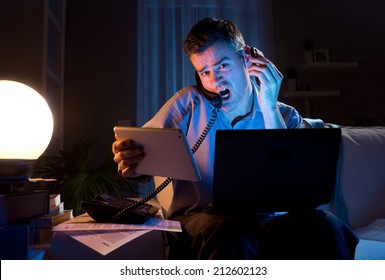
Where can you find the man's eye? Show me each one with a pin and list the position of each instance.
(223, 65)
(204, 73)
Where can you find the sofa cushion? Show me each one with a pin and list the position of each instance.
(370, 250)
(362, 174)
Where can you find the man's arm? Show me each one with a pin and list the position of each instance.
(272, 117)
(270, 82)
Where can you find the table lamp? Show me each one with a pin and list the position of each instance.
(26, 126)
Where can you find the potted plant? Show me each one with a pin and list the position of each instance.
(78, 180)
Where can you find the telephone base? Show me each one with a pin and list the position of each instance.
(103, 209)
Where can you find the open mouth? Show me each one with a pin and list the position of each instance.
(224, 93)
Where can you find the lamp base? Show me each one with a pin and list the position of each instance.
(16, 167)
(14, 174)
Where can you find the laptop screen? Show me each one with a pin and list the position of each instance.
(274, 170)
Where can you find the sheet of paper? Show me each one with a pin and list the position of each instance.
(84, 222)
(107, 237)
(105, 242)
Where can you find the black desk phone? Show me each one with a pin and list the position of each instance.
(106, 209)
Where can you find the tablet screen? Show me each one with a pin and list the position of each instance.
(167, 152)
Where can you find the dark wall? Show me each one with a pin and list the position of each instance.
(353, 31)
(21, 42)
(100, 59)
(100, 70)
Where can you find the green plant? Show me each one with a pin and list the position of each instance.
(77, 180)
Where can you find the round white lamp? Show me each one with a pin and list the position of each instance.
(26, 126)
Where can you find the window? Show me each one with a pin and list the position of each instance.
(163, 68)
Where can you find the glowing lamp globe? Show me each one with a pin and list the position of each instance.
(26, 126)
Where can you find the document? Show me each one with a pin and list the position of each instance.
(105, 242)
(85, 222)
(106, 237)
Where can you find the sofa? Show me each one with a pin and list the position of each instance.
(359, 197)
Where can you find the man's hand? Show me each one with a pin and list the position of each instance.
(127, 155)
(270, 79)
(270, 83)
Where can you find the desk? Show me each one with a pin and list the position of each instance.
(150, 246)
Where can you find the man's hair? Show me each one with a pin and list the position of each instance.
(209, 31)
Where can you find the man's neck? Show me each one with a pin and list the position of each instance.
(244, 109)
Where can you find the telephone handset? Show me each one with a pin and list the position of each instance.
(208, 94)
(104, 208)
(254, 52)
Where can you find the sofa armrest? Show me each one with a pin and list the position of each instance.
(362, 174)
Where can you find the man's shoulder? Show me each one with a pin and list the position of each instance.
(284, 106)
(290, 115)
(188, 90)
(188, 94)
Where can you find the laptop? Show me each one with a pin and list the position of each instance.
(274, 170)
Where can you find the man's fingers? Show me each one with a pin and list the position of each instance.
(122, 144)
(129, 156)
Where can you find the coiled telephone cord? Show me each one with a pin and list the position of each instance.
(217, 103)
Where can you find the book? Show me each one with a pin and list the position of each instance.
(54, 200)
(49, 221)
(56, 209)
(21, 206)
(14, 242)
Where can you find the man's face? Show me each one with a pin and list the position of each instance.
(222, 70)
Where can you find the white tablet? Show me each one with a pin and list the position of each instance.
(167, 152)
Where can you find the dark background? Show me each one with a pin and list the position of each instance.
(100, 60)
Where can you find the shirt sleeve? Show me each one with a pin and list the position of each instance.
(290, 115)
(176, 112)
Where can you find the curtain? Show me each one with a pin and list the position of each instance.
(162, 66)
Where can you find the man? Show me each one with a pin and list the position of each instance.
(224, 67)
